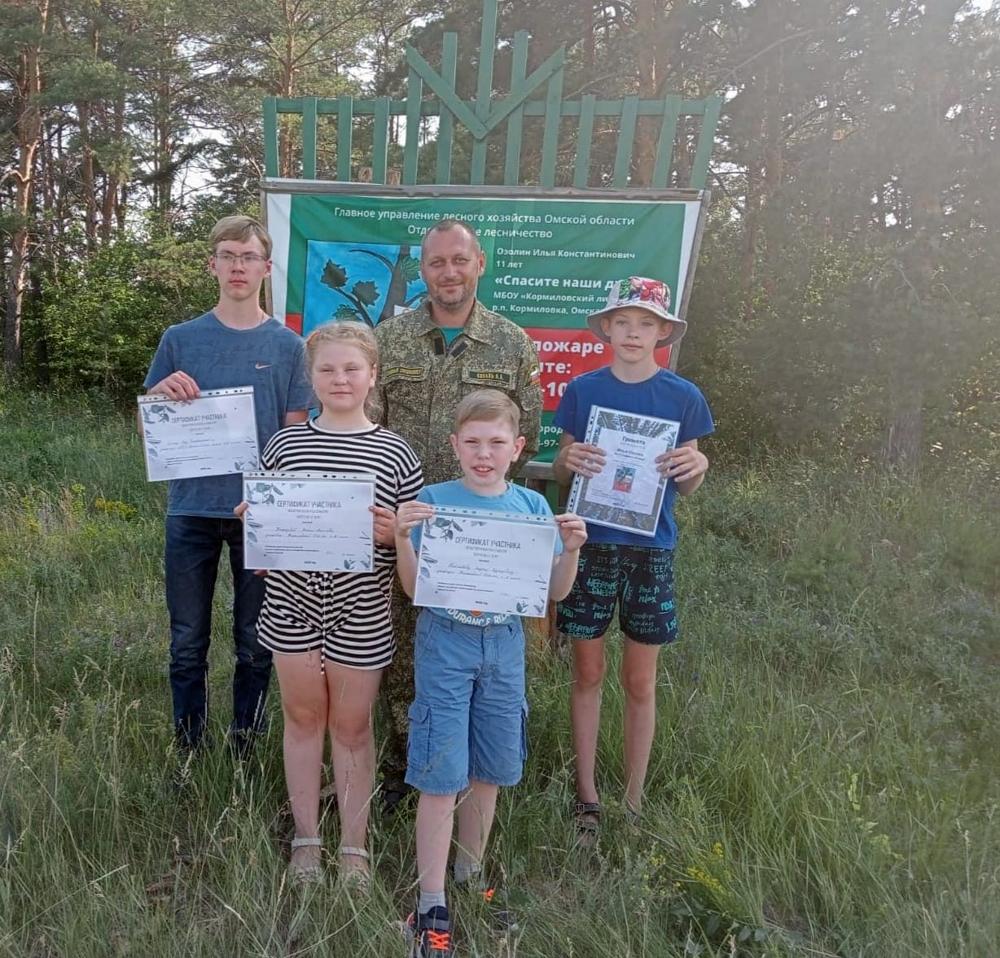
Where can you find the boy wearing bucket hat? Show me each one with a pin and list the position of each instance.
(618, 566)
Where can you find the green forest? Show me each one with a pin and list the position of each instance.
(823, 781)
(845, 293)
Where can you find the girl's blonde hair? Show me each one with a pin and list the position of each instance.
(348, 332)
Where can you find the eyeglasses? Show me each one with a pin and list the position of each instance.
(244, 259)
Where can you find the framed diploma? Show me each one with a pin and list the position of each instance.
(628, 492)
(473, 560)
(213, 435)
(307, 522)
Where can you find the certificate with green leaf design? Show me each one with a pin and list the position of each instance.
(628, 492)
(309, 522)
(473, 560)
(213, 435)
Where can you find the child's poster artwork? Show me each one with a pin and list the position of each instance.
(628, 492)
(367, 282)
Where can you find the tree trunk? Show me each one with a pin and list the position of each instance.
(644, 157)
(28, 86)
(588, 35)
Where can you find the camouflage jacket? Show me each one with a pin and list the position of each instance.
(421, 380)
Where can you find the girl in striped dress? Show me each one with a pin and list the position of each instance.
(331, 632)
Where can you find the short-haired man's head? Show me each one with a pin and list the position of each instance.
(239, 229)
(488, 405)
(447, 224)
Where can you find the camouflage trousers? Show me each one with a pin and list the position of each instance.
(397, 688)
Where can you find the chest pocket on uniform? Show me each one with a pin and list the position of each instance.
(405, 386)
(490, 377)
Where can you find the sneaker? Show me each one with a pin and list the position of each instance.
(430, 934)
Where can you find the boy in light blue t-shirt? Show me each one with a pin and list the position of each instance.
(618, 566)
(467, 720)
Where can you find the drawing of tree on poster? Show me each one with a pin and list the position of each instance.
(361, 297)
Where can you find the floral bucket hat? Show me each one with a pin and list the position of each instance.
(652, 295)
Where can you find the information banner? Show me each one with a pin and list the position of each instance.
(550, 260)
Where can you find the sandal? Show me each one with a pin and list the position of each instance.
(632, 817)
(310, 873)
(356, 877)
(587, 820)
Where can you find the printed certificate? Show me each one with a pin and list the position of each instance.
(473, 560)
(213, 435)
(308, 522)
(628, 492)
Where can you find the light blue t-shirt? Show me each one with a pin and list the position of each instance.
(664, 395)
(270, 357)
(515, 499)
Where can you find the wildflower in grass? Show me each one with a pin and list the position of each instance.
(115, 508)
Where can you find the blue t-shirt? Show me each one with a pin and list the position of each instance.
(514, 499)
(664, 395)
(270, 357)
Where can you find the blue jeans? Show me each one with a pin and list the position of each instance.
(192, 549)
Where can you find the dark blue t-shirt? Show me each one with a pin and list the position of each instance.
(270, 357)
(664, 395)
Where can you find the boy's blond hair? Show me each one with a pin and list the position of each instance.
(488, 405)
(350, 333)
(239, 229)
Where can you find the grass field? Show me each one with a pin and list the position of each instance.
(824, 779)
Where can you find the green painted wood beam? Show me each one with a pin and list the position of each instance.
(380, 140)
(446, 126)
(309, 138)
(550, 137)
(271, 136)
(626, 142)
(345, 123)
(397, 107)
(515, 122)
(665, 143)
(445, 91)
(484, 89)
(584, 139)
(706, 140)
(411, 152)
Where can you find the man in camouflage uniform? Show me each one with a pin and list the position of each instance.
(429, 359)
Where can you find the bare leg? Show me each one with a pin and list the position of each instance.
(639, 683)
(435, 818)
(585, 712)
(304, 703)
(352, 698)
(475, 820)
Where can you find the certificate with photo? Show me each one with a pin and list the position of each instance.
(474, 560)
(309, 522)
(213, 435)
(628, 492)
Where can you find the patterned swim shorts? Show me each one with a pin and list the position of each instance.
(638, 579)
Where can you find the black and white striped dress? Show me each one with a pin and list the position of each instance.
(346, 614)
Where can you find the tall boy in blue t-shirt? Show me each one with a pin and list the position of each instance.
(236, 344)
(618, 566)
(467, 720)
